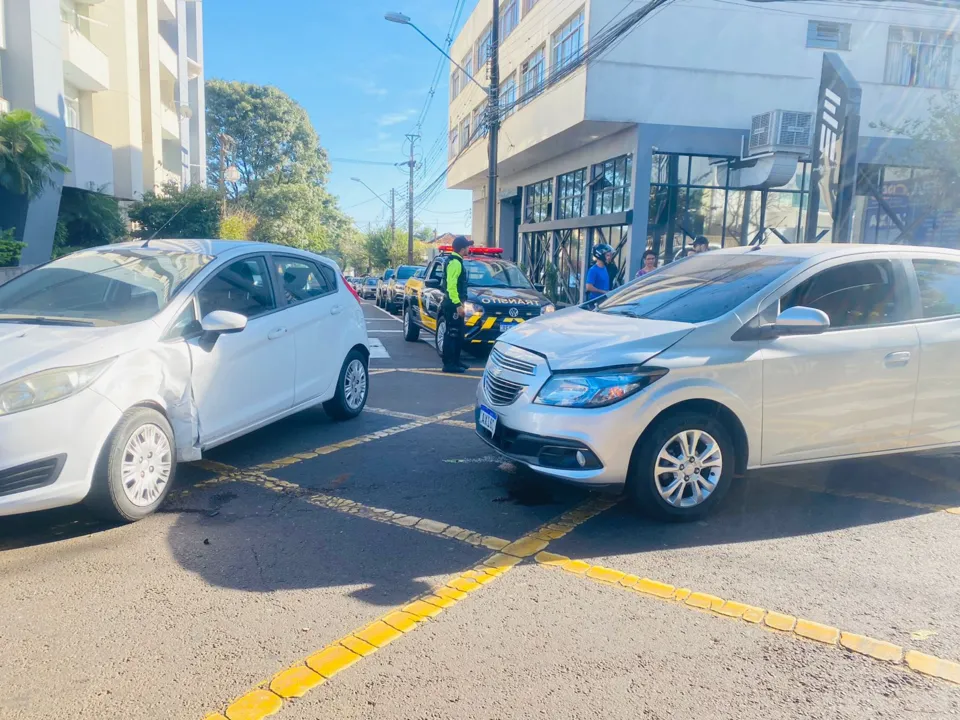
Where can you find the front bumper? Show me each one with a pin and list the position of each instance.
(546, 439)
(48, 455)
(486, 330)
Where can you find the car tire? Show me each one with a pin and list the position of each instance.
(353, 387)
(441, 333)
(391, 308)
(652, 477)
(140, 430)
(411, 331)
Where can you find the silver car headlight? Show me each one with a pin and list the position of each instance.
(594, 389)
(48, 386)
(470, 308)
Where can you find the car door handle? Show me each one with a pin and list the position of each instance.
(276, 333)
(335, 310)
(897, 359)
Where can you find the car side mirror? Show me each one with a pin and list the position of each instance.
(801, 321)
(432, 284)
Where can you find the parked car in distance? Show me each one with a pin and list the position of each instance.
(396, 285)
(368, 291)
(382, 286)
(120, 361)
(499, 296)
(729, 361)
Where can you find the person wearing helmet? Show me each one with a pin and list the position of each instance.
(454, 287)
(701, 244)
(598, 279)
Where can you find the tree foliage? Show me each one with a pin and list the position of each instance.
(238, 224)
(385, 252)
(274, 142)
(27, 165)
(191, 213)
(87, 219)
(10, 249)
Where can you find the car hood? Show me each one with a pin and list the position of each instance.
(506, 296)
(27, 349)
(575, 339)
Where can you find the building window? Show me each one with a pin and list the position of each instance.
(454, 135)
(509, 18)
(465, 137)
(531, 77)
(528, 5)
(479, 121)
(484, 45)
(919, 58)
(454, 84)
(467, 63)
(568, 42)
(538, 199)
(828, 35)
(611, 183)
(571, 191)
(508, 96)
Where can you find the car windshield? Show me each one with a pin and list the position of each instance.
(495, 273)
(370, 281)
(105, 287)
(699, 288)
(405, 272)
(389, 274)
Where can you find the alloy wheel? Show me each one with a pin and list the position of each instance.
(355, 385)
(688, 468)
(147, 462)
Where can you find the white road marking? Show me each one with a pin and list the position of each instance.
(389, 315)
(377, 350)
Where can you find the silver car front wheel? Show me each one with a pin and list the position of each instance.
(688, 468)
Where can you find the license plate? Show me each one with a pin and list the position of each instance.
(488, 419)
(505, 326)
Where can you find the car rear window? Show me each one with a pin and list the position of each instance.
(699, 288)
(406, 271)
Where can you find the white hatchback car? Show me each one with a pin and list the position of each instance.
(732, 360)
(120, 361)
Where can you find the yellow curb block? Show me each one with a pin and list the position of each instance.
(877, 649)
(422, 609)
(464, 584)
(778, 621)
(604, 574)
(501, 561)
(431, 526)
(379, 634)
(577, 567)
(818, 632)
(255, 705)
(450, 593)
(360, 647)
(402, 621)
(480, 577)
(657, 589)
(215, 716)
(441, 602)
(295, 682)
(733, 609)
(753, 615)
(550, 559)
(629, 581)
(681, 594)
(525, 547)
(494, 543)
(705, 601)
(329, 661)
(929, 665)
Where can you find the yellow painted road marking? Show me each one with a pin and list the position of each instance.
(411, 416)
(826, 634)
(864, 496)
(468, 376)
(382, 371)
(268, 698)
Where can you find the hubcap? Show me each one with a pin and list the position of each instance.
(355, 384)
(146, 465)
(406, 321)
(441, 333)
(688, 468)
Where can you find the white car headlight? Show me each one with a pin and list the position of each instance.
(48, 386)
(598, 388)
(470, 309)
(548, 309)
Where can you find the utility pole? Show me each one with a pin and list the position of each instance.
(393, 218)
(222, 141)
(493, 121)
(412, 164)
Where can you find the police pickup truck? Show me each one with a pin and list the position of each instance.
(499, 296)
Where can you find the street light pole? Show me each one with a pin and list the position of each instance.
(412, 164)
(493, 122)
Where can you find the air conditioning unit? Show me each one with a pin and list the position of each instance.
(780, 131)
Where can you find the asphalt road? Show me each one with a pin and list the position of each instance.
(391, 567)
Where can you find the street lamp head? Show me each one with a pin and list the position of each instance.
(356, 179)
(398, 18)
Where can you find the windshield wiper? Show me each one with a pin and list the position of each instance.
(31, 320)
(625, 313)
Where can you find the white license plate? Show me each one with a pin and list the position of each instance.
(505, 326)
(488, 419)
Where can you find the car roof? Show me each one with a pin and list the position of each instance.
(215, 248)
(828, 250)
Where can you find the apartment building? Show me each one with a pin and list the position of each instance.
(121, 83)
(704, 112)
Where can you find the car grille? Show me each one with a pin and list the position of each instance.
(500, 391)
(524, 312)
(31, 476)
(509, 363)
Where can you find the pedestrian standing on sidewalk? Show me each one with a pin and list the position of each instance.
(649, 263)
(598, 279)
(454, 296)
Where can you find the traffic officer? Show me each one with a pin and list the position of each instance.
(454, 296)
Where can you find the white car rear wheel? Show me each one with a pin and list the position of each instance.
(353, 387)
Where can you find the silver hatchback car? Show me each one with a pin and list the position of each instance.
(729, 361)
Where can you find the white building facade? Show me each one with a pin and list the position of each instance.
(120, 82)
(641, 147)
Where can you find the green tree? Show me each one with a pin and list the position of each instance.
(26, 154)
(10, 249)
(191, 213)
(304, 216)
(273, 141)
(238, 224)
(87, 219)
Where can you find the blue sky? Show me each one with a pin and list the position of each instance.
(363, 81)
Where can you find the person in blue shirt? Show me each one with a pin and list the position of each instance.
(598, 279)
